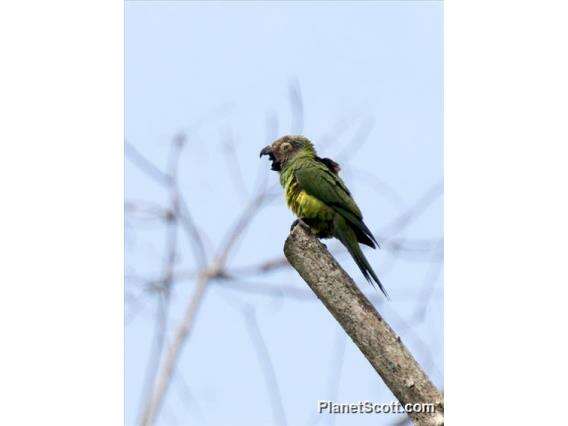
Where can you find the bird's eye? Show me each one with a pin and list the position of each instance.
(286, 147)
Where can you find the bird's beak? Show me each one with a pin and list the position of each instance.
(267, 150)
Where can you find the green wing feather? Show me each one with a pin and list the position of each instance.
(317, 180)
(347, 236)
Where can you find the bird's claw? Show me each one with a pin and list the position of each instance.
(301, 223)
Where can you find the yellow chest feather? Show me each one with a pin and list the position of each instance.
(301, 203)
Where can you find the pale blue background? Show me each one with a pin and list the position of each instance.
(374, 61)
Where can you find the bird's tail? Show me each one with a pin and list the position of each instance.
(349, 239)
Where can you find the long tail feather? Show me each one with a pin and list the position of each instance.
(358, 223)
(349, 239)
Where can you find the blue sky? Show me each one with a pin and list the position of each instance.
(228, 65)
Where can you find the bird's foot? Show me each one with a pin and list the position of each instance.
(301, 223)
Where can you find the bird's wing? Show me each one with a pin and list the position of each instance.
(320, 182)
(330, 164)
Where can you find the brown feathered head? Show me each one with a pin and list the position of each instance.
(290, 146)
(287, 147)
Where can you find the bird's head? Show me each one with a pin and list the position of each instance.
(286, 148)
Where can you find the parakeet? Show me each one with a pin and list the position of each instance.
(318, 197)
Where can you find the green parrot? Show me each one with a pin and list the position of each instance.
(318, 197)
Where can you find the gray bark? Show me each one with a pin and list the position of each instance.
(360, 320)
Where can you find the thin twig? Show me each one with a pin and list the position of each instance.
(357, 141)
(233, 164)
(377, 185)
(150, 169)
(418, 208)
(184, 328)
(165, 292)
(241, 224)
(434, 271)
(170, 361)
(296, 107)
(265, 361)
(193, 234)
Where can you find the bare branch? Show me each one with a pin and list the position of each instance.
(408, 249)
(403, 220)
(265, 361)
(193, 234)
(271, 127)
(184, 328)
(334, 377)
(266, 289)
(379, 343)
(190, 399)
(159, 340)
(146, 165)
(163, 380)
(296, 107)
(360, 137)
(333, 136)
(146, 210)
(241, 224)
(164, 294)
(233, 163)
(263, 267)
(376, 184)
(428, 288)
(406, 328)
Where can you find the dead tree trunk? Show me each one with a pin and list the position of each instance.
(374, 337)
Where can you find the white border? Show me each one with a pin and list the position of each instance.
(61, 174)
(506, 120)
(61, 304)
